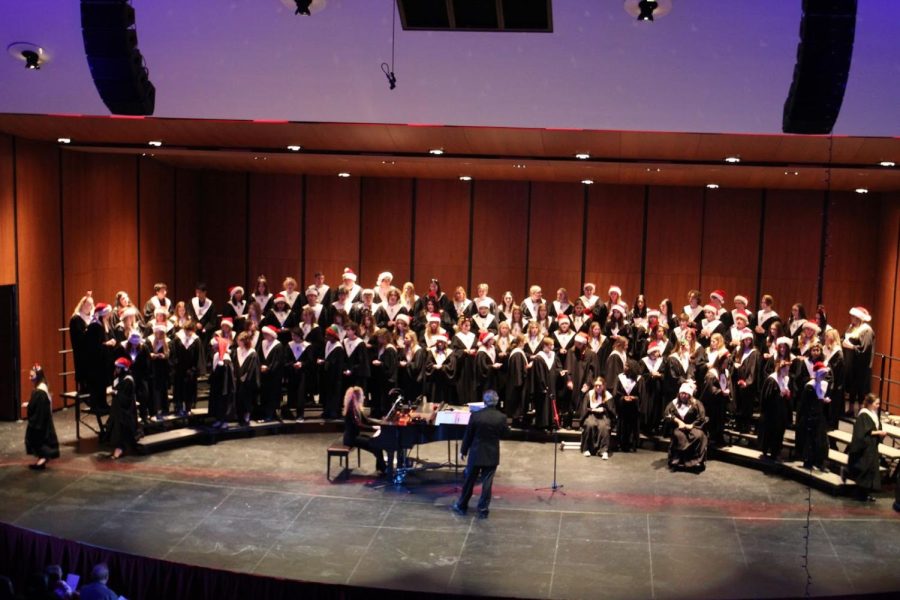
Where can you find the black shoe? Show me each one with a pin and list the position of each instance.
(37, 467)
(458, 509)
(482, 514)
(897, 506)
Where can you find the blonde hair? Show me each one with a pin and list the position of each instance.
(289, 280)
(353, 396)
(80, 303)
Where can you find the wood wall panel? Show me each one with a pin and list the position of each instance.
(99, 206)
(386, 229)
(157, 236)
(188, 252)
(442, 233)
(332, 227)
(730, 243)
(851, 250)
(614, 239)
(223, 232)
(885, 320)
(674, 217)
(792, 240)
(7, 213)
(41, 310)
(554, 252)
(276, 228)
(499, 237)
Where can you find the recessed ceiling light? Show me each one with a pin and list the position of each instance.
(387, 162)
(436, 151)
(587, 181)
(861, 191)
(582, 156)
(712, 186)
(733, 159)
(888, 163)
(64, 140)
(343, 174)
(653, 169)
(295, 148)
(155, 143)
(792, 172)
(465, 178)
(519, 166)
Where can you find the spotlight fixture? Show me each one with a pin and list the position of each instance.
(712, 186)
(32, 60)
(861, 191)
(304, 7)
(344, 174)
(732, 160)
(582, 156)
(647, 10)
(64, 140)
(465, 178)
(436, 151)
(155, 143)
(295, 148)
(587, 181)
(31, 54)
(887, 163)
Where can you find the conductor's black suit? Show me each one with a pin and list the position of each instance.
(481, 443)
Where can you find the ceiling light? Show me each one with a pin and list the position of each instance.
(861, 191)
(888, 163)
(519, 166)
(792, 172)
(733, 160)
(436, 151)
(32, 60)
(712, 186)
(343, 174)
(582, 156)
(294, 148)
(465, 178)
(32, 55)
(387, 162)
(64, 140)
(653, 169)
(155, 143)
(587, 181)
(647, 10)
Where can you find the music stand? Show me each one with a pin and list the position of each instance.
(554, 487)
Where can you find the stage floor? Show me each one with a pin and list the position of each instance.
(625, 528)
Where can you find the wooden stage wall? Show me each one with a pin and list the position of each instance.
(72, 221)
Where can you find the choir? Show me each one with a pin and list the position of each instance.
(601, 363)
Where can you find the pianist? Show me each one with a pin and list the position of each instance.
(358, 429)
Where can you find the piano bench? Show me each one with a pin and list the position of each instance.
(343, 454)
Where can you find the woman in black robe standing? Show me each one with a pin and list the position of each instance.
(99, 347)
(78, 325)
(40, 435)
(465, 346)
(546, 371)
(410, 366)
(246, 365)
(626, 400)
(383, 371)
(516, 391)
(122, 414)
(440, 372)
(775, 410)
(812, 433)
(863, 449)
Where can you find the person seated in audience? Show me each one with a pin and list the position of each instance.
(57, 586)
(686, 418)
(596, 420)
(98, 589)
(358, 429)
(863, 459)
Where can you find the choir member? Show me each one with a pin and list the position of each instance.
(310, 329)
(157, 301)
(236, 307)
(516, 391)
(765, 316)
(312, 303)
(601, 310)
(290, 294)
(464, 346)
(775, 333)
(203, 315)
(122, 418)
(560, 306)
(589, 298)
(660, 335)
(507, 305)
(805, 366)
(281, 317)
(356, 365)
(390, 307)
(119, 306)
(667, 316)
(596, 422)
(161, 318)
(716, 386)
(546, 374)
(543, 319)
(440, 372)
(687, 418)
(271, 373)
(461, 304)
(581, 317)
(349, 285)
(864, 462)
(78, 325)
(775, 403)
(684, 324)
(833, 357)
(411, 366)
(358, 429)
(821, 317)
(255, 315)
(158, 349)
(340, 305)
(532, 302)
(179, 317)
(534, 339)
(742, 304)
(717, 299)
(502, 343)
(383, 379)
(597, 341)
(693, 309)
(366, 304)
(681, 365)
(300, 371)
(812, 432)
(616, 360)
(615, 323)
(858, 344)
(367, 328)
(482, 293)
(408, 298)
(581, 368)
(383, 286)
(808, 336)
(262, 295)
(781, 354)
(710, 325)
(626, 399)
(518, 325)
(487, 365)
(484, 319)
(563, 336)
(740, 321)
(432, 330)
(186, 360)
(331, 373)
(322, 288)
(127, 325)
(40, 434)
(745, 371)
(639, 312)
(797, 320)
(99, 347)
(246, 364)
(136, 352)
(652, 369)
(402, 327)
(221, 379)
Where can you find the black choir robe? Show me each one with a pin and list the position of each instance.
(466, 385)
(283, 322)
(581, 370)
(246, 367)
(271, 378)
(858, 348)
(386, 315)
(626, 399)
(652, 402)
(99, 358)
(708, 329)
(40, 434)
(122, 414)
(411, 372)
(715, 393)
(185, 357)
(154, 303)
(545, 382)
(775, 414)
(237, 313)
(835, 362)
(264, 301)
(688, 447)
(516, 391)
(383, 378)
(745, 367)
(678, 370)
(486, 375)
(864, 461)
(357, 363)
(221, 383)
(812, 427)
(140, 372)
(331, 378)
(440, 375)
(299, 370)
(205, 315)
(77, 338)
(764, 320)
(615, 364)
(488, 323)
(159, 375)
(596, 422)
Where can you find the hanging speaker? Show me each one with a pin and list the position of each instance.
(827, 29)
(116, 64)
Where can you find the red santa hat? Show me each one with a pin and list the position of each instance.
(812, 325)
(820, 366)
(742, 299)
(123, 363)
(270, 330)
(619, 308)
(102, 309)
(485, 336)
(439, 338)
(385, 275)
(742, 313)
(312, 291)
(746, 334)
(433, 318)
(563, 317)
(279, 298)
(859, 312)
(581, 337)
(616, 289)
(710, 307)
(403, 317)
(333, 332)
(784, 340)
(159, 327)
(653, 314)
(234, 290)
(717, 295)
(654, 347)
(227, 321)
(349, 274)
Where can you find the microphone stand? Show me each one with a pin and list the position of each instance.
(554, 487)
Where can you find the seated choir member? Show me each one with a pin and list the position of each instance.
(330, 369)
(158, 349)
(596, 420)
(40, 435)
(157, 301)
(775, 408)
(686, 418)
(246, 364)
(864, 462)
(858, 345)
(122, 417)
(812, 431)
(271, 370)
(186, 358)
(358, 429)
(300, 367)
(221, 379)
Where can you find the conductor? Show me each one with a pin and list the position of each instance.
(481, 443)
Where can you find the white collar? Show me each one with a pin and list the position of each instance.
(871, 414)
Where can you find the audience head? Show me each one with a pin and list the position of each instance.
(490, 398)
(100, 573)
